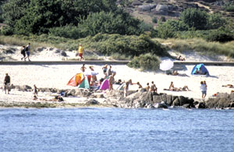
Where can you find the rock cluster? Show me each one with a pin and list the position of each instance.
(140, 99)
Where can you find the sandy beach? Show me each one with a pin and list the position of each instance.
(57, 76)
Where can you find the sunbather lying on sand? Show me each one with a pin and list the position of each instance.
(175, 73)
(228, 85)
(179, 57)
(173, 88)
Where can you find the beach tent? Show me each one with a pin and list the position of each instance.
(85, 83)
(104, 85)
(200, 67)
(76, 79)
(81, 80)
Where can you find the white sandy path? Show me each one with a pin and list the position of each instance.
(57, 76)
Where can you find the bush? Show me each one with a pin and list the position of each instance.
(68, 31)
(220, 36)
(145, 62)
(194, 18)
(165, 31)
(7, 30)
(229, 7)
(128, 45)
(154, 20)
(163, 19)
(215, 21)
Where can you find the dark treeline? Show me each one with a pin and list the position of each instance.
(79, 18)
(116, 31)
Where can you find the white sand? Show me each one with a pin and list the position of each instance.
(57, 76)
(53, 76)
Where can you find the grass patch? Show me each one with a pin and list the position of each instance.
(117, 56)
(199, 45)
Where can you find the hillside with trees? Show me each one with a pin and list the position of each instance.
(116, 24)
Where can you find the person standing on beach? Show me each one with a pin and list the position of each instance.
(83, 68)
(111, 82)
(80, 52)
(7, 81)
(35, 92)
(126, 87)
(104, 69)
(203, 89)
(27, 49)
(153, 88)
(23, 52)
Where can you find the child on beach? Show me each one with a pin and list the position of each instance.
(203, 89)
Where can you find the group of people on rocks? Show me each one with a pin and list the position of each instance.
(109, 74)
(25, 51)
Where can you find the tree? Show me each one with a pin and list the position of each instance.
(37, 16)
(215, 21)
(112, 22)
(13, 10)
(195, 18)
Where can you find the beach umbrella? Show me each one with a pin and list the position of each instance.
(166, 65)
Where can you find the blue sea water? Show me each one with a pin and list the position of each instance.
(120, 130)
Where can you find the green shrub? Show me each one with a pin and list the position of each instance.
(163, 19)
(165, 31)
(68, 31)
(117, 56)
(128, 45)
(194, 18)
(215, 21)
(7, 30)
(145, 62)
(220, 36)
(154, 20)
(229, 7)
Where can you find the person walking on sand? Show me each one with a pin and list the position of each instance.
(7, 81)
(23, 52)
(80, 52)
(27, 49)
(203, 89)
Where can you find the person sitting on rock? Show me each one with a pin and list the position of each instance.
(139, 86)
(147, 88)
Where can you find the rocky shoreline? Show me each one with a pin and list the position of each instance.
(115, 98)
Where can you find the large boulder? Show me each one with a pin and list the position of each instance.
(222, 100)
(146, 7)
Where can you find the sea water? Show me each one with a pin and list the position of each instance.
(121, 130)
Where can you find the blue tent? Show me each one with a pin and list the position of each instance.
(200, 69)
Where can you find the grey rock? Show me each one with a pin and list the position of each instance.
(63, 53)
(92, 102)
(146, 7)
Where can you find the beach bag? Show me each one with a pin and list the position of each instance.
(26, 49)
(22, 51)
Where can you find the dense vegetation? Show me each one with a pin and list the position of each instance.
(105, 27)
